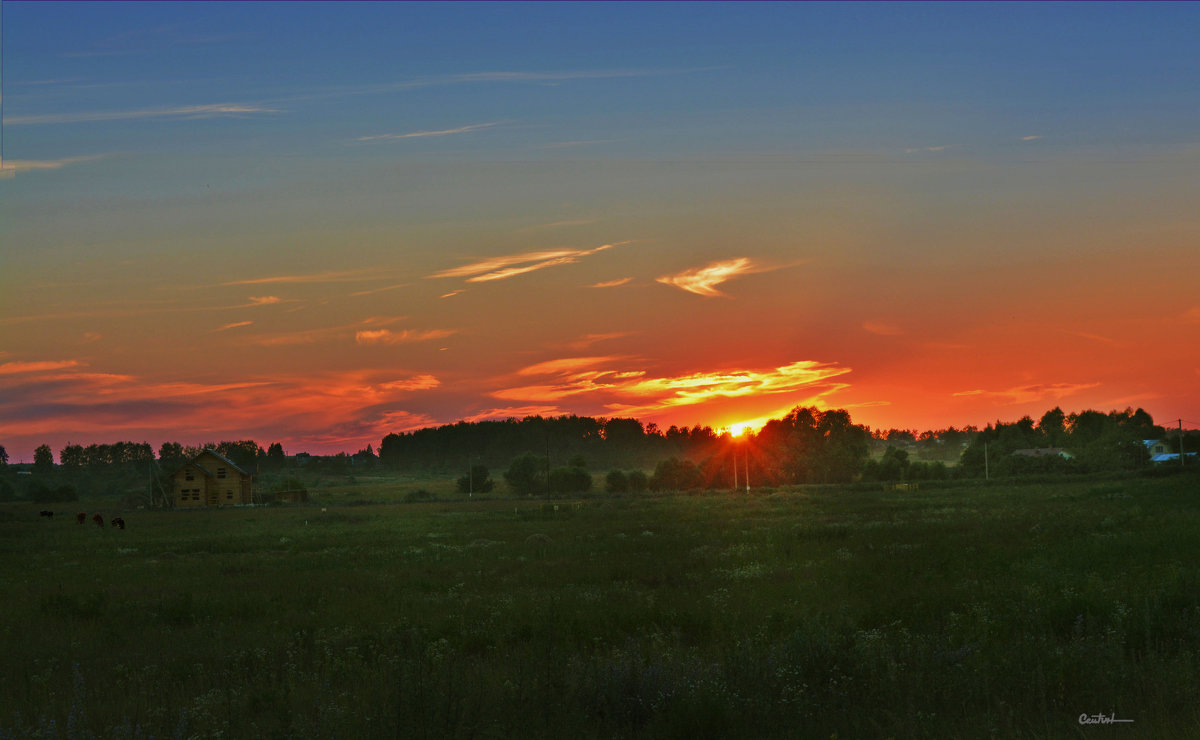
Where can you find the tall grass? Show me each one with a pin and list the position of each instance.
(986, 612)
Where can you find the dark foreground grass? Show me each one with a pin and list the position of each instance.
(990, 612)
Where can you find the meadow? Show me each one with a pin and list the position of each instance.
(976, 611)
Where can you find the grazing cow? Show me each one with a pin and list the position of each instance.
(47, 514)
(81, 517)
(99, 520)
(118, 522)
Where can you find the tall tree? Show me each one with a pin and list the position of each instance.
(43, 458)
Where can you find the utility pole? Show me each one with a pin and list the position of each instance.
(1181, 443)
(735, 486)
(747, 470)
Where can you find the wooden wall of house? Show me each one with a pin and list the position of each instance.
(223, 485)
(189, 493)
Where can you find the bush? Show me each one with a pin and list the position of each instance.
(674, 474)
(40, 493)
(616, 482)
(476, 480)
(570, 480)
(638, 482)
(418, 495)
(526, 474)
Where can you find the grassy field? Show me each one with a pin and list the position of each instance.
(989, 612)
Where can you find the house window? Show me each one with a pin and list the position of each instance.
(229, 495)
(189, 475)
(220, 472)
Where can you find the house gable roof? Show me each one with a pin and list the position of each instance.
(215, 454)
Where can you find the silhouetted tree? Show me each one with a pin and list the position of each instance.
(527, 474)
(570, 479)
(638, 481)
(3, 456)
(477, 480)
(675, 474)
(616, 481)
(71, 457)
(43, 459)
(170, 454)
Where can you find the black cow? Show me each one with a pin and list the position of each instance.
(81, 517)
(99, 520)
(47, 514)
(118, 522)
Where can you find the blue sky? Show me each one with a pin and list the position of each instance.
(962, 206)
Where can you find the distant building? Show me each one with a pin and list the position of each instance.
(1160, 451)
(1156, 447)
(1045, 452)
(210, 479)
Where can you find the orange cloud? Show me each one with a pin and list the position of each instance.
(550, 367)
(12, 368)
(611, 283)
(1030, 393)
(588, 340)
(355, 406)
(877, 327)
(631, 389)
(501, 268)
(233, 325)
(513, 412)
(386, 336)
(704, 280)
(328, 276)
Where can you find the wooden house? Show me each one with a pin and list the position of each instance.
(210, 479)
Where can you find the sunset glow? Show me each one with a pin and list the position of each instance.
(398, 218)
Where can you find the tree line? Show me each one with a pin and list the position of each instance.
(552, 455)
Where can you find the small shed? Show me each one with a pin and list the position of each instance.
(210, 479)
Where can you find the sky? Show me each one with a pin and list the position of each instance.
(321, 223)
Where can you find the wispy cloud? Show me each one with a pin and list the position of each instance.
(233, 325)
(384, 289)
(424, 134)
(565, 364)
(317, 407)
(1192, 315)
(32, 165)
(387, 336)
(212, 110)
(882, 329)
(611, 283)
(704, 280)
(327, 276)
(588, 340)
(324, 333)
(265, 300)
(1030, 138)
(512, 412)
(501, 268)
(617, 385)
(38, 366)
(1031, 393)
